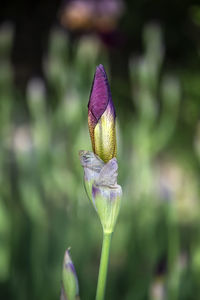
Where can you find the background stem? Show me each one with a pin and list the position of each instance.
(103, 266)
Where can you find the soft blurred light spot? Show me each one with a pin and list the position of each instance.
(195, 14)
(22, 141)
(86, 15)
(6, 39)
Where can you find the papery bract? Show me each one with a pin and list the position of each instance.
(92, 165)
(101, 186)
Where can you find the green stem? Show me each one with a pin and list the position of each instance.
(103, 266)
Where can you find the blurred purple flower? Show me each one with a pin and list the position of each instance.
(91, 14)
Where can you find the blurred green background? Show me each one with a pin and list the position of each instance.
(48, 54)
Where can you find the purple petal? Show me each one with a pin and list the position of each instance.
(100, 96)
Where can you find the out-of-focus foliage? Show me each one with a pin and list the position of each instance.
(155, 252)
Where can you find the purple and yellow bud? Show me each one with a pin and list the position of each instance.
(100, 166)
(101, 117)
(70, 289)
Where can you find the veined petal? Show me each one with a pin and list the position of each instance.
(91, 125)
(105, 135)
(100, 93)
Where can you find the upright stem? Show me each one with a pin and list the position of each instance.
(103, 266)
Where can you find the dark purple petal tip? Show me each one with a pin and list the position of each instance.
(100, 96)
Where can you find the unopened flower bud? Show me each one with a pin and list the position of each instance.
(70, 289)
(100, 166)
(101, 117)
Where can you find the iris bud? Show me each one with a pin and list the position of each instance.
(70, 287)
(101, 117)
(100, 166)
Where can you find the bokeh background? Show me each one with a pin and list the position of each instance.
(48, 54)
